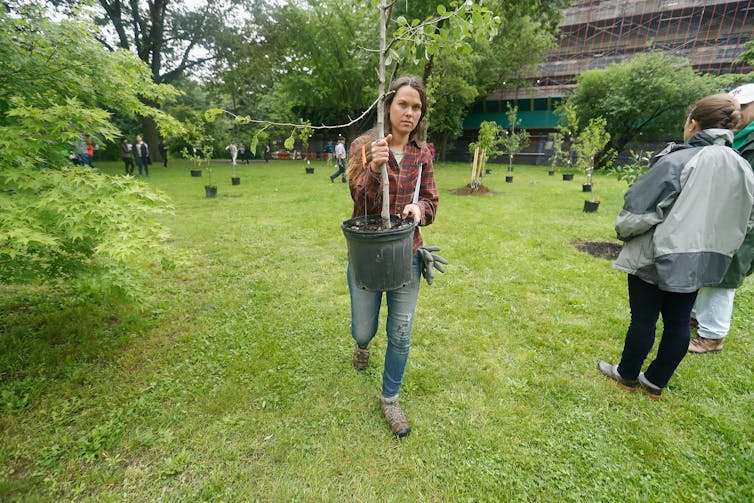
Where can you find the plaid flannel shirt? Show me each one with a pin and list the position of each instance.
(366, 190)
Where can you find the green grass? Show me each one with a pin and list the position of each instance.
(230, 377)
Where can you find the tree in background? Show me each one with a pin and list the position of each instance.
(169, 36)
(61, 222)
(513, 141)
(483, 148)
(646, 96)
(318, 60)
(456, 80)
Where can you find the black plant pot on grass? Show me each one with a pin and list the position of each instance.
(196, 172)
(567, 177)
(591, 206)
(551, 172)
(508, 179)
(235, 180)
(309, 171)
(210, 190)
(587, 187)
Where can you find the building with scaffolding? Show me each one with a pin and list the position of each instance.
(598, 33)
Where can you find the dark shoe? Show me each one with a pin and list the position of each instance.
(343, 179)
(332, 179)
(396, 419)
(360, 357)
(700, 345)
(611, 371)
(649, 389)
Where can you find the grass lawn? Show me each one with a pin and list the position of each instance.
(230, 377)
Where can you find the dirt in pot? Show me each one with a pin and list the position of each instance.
(374, 223)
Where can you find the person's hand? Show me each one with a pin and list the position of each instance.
(431, 261)
(413, 210)
(380, 152)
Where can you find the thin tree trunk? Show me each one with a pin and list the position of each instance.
(381, 114)
(473, 167)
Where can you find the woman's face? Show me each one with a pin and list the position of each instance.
(405, 110)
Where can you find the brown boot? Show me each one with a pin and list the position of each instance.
(360, 357)
(396, 419)
(701, 345)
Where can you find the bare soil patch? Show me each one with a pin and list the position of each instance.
(467, 191)
(599, 249)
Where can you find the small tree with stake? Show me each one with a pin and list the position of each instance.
(483, 148)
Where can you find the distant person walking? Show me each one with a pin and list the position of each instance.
(233, 148)
(90, 153)
(713, 310)
(340, 160)
(126, 153)
(141, 153)
(81, 152)
(162, 148)
(681, 223)
(267, 152)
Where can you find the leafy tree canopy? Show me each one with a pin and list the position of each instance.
(647, 96)
(320, 59)
(58, 221)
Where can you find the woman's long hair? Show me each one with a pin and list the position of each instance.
(355, 162)
(716, 111)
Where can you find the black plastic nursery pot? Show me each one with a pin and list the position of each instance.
(309, 171)
(196, 172)
(380, 259)
(567, 177)
(235, 180)
(508, 179)
(210, 190)
(587, 187)
(591, 206)
(487, 171)
(551, 173)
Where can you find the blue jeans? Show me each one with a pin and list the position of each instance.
(647, 302)
(365, 313)
(713, 311)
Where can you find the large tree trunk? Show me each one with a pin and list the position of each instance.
(151, 135)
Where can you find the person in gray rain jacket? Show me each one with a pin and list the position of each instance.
(681, 222)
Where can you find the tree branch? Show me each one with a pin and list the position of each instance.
(249, 120)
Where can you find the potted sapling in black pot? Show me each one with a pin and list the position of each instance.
(513, 141)
(194, 155)
(589, 143)
(210, 190)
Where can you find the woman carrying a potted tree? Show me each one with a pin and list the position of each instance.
(410, 172)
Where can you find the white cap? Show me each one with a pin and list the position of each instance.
(744, 94)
